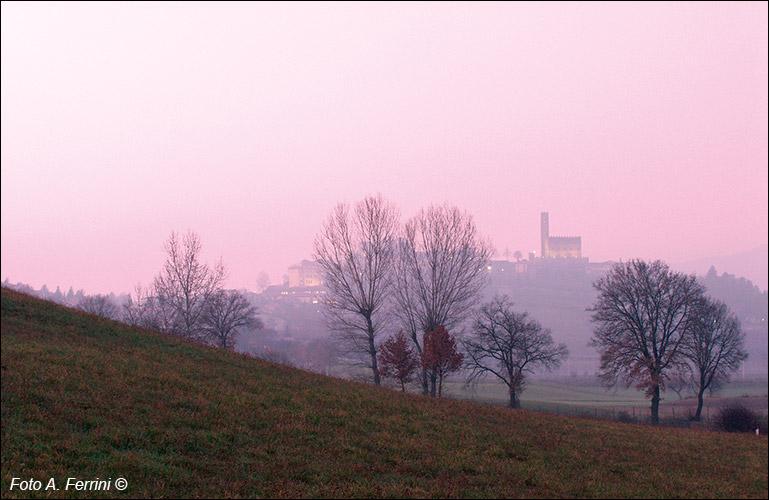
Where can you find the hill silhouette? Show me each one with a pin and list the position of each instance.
(752, 264)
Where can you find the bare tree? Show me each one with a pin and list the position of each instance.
(643, 314)
(147, 311)
(185, 284)
(225, 314)
(100, 305)
(440, 274)
(718, 383)
(355, 251)
(715, 348)
(508, 344)
(680, 381)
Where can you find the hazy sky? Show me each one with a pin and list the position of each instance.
(641, 127)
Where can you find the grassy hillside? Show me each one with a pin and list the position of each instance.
(89, 398)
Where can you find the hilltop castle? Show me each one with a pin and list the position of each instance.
(558, 247)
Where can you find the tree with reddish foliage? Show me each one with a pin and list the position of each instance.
(397, 359)
(440, 355)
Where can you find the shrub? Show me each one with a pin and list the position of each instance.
(737, 419)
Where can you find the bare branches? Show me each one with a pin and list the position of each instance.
(187, 299)
(226, 313)
(643, 314)
(100, 305)
(715, 347)
(185, 284)
(147, 311)
(507, 345)
(428, 273)
(356, 252)
(439, 273)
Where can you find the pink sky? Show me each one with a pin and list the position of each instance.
(641, 127)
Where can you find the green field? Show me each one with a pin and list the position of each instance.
(88, 398)
(577, 396)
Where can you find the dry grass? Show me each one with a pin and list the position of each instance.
(84, 397)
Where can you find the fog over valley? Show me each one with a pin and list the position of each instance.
(384, 249)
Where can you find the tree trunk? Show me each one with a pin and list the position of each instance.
(425, 387)
(372, 350)
(440, 385)
(656, 405)
(433, 380)
(403, 387)
(374, 369)
(700, 401)
(514, 403)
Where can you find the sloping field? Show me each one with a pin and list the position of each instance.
(87, 398)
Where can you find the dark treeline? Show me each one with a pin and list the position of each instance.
(71, 298)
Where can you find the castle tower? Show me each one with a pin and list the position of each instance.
(545, 233)
(558, 247)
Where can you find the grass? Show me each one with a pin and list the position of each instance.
(574, 396)
(89, 398)
(539, 391)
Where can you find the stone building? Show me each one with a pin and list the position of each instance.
(558, 247)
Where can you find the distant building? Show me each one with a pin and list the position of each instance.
(558, 247)
(504, 272)
(600, 268)
(506, 267)
(306, 294)
(306, 274)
